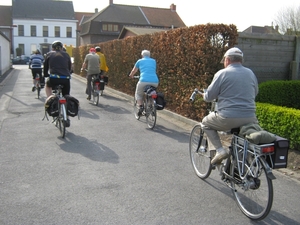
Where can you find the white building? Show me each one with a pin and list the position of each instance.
(41, 22)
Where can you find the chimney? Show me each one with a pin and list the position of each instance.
(111, 2)
(96, 10)
(173, 7)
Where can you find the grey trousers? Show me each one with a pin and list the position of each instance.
(214, 123)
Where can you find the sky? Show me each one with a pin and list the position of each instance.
(243, 14)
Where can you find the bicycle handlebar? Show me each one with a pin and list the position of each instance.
(196, 91)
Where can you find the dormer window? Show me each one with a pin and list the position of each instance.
(110, 27)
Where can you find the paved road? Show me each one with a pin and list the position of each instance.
(110, 169)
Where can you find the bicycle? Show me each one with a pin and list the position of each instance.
(62, 120)
(149, 105)
(245, 171)
(97, 88)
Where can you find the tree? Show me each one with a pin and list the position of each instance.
(288, 20)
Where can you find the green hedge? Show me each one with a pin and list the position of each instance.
(282, 121)
(281, 93)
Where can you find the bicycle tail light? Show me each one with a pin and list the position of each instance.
(154, 96)
(267, 149)
(62, 101)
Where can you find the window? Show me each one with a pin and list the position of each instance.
(57, 31)
(45, 31)
(69, 32)
(22, 47)
(33, 31)
(21, 30)
(110, 27)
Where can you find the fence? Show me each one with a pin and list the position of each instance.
(270, 56)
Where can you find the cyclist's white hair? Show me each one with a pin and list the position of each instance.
(146, 53)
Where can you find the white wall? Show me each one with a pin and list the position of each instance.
(29, 41)
(5, 62)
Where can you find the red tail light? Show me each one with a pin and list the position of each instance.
(62, 101)
(154, 96)
(37, 78)
(268, 149)
(97, 83)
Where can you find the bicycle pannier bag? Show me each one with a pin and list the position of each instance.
(51, 106)
(72, 106)
(160, 101)
(105, 78)
(102, 85)
(280, 156)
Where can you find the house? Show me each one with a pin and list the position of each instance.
(135, 31)
(6, 21)
(262, 30)
(41, 22)
(107, 24)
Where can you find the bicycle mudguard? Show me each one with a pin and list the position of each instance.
(268, 169)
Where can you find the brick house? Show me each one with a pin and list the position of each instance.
(107, 24)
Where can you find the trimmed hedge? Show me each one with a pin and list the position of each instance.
(186, 58)
(281, 93)
(282, 121)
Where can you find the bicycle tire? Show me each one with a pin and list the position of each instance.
(135, 109)
(254, 196)
(61, 122)
(38, 91)
(95, 95)
(150, 113)
(200, 158)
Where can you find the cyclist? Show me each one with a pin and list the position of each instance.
(147, 67)
(36, 66)
(235, 87)
(103, 66)
(57, 67)
(92, 63)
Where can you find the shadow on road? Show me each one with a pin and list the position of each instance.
(91, 149)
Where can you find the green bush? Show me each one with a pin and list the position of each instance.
(282, 121)
(281, 93)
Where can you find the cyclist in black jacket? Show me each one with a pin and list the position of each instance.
(57, 67)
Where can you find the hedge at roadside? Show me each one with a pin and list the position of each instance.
(280, 92)
(186, 58)
(282, 121)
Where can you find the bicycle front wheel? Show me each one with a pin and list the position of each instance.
(254, 193)
(150, 113)
(200, 156)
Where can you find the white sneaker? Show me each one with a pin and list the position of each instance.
(220, 155)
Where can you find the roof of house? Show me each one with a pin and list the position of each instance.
(133, 15)
(5, 16)
(140, 30)
(43, 9)
(261, 30)
(81, 17)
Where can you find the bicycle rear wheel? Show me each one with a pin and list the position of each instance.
(135, 109)
(61, 121)
(254, 194)
(200, 156)
(38, 90)
(150, 113)
(95, 95)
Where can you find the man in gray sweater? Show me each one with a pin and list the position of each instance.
(235, 87)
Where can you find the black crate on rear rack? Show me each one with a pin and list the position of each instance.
(280, 156)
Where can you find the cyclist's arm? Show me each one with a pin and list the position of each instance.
(133, 71)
